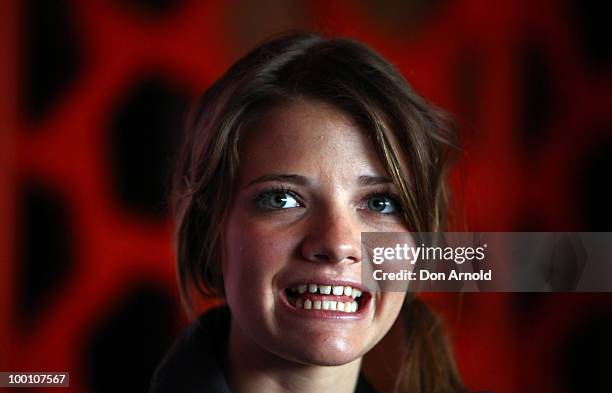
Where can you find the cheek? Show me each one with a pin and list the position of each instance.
(390, 306)
(254, 254)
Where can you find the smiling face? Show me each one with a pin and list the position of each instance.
(310, 182)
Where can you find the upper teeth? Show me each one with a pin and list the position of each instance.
(337, 290)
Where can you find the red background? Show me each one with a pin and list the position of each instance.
(94, 92)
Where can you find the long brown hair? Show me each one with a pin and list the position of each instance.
(406, 130)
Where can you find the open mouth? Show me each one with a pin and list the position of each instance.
(321, 297)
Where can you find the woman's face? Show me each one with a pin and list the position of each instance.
(309, 183)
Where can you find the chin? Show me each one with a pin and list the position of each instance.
(329, 352)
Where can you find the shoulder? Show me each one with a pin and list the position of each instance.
(193, 363)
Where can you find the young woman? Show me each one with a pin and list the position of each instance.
(300, 146)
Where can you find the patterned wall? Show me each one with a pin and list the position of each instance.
(96, 93)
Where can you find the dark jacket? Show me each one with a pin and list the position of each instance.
(194, 363)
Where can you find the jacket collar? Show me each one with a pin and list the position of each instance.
(194, 363)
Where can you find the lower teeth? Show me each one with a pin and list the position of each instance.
(331, 305)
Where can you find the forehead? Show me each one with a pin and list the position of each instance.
(311, 138)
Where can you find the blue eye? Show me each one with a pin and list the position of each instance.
(277, 200)
(382, 204)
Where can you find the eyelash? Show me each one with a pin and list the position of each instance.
(262, 196)
(392, 197)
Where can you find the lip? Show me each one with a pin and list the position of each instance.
(327, 314)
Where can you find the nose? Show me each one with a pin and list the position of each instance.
(333, 236)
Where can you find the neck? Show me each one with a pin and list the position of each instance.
(251, 368)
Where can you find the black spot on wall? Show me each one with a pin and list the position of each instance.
(593, 186)
(538, 102)
(145, 129)
(130, 341)
(51, 53)
(592, 21)
(528, 305)
(45, 249)
(150, 7)
(585, 363)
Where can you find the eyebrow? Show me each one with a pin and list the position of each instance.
(304, 181)
(373, 180)
(288, 178)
